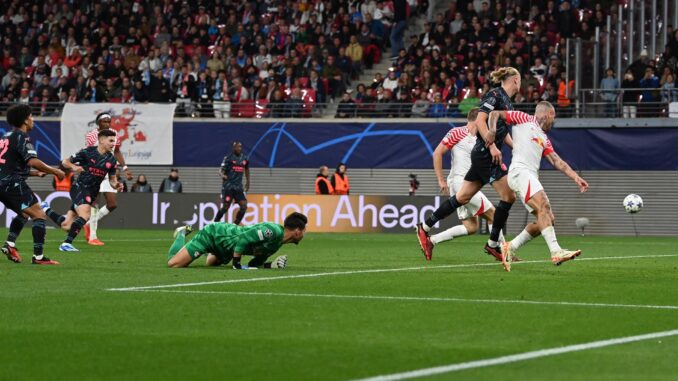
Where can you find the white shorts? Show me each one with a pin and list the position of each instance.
(526, 184)
(106, 186)
(478, 205)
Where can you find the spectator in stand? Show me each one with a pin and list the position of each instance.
(142, 185)
(347, 107)
(277, 105)
(609, 92)
(649, 106)
(400, 16)
(630, 96)
(668, 85)
(421, 105)
(171, 184)
(294, 104)
(470, 101)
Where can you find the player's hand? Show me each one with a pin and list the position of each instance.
(444, 188)
(496, 154)
(129, 175)
(119, 187)
(77, 169)
(280, 262)
(489, 138)
(583, 185)
(247, 187)
(59, 173)
(41, 174)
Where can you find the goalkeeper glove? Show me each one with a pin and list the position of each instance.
(280, 262)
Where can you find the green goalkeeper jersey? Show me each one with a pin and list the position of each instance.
(224, 239)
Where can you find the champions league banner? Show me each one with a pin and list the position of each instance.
(145, 130)
(339, 214)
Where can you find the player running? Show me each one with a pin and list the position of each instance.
(461, 141)
(17, 156)
(232, 169)
(530, 144)
(224, 243)
(94, 165)
(103, 122)
(486, 166)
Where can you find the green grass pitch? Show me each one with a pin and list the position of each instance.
(62, 323)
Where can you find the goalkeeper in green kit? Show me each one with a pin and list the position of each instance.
(224, 243)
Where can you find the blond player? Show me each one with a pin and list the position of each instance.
(460, 141)
(530, 145)
(103, 122)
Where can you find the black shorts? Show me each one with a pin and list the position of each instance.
(83, 196)
(483, 170)
(229, 195)
(17, 196)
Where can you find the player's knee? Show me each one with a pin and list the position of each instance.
(509, 197)
(472, 229)
(111, 206)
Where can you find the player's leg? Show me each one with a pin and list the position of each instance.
(226, 199)
(182, 254)
(111, 204)
(463, 196)
(39, 232)
(242, 202)
(83, 213)
(501, 214)
(15, 227)
(530, 232)
(213, 260)
(545, 219)
(180, 259)
(468, 226)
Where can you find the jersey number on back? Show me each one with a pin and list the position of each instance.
(4, 146)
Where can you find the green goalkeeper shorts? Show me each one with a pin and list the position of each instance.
(202, 244)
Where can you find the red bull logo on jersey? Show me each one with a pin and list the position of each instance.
(540, 142)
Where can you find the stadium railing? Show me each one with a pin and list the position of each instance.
(591, 103)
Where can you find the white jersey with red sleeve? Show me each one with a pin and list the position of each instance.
(460, 141)
(530, 143)
(92, 139)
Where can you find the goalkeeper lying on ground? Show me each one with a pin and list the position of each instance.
(224, 242)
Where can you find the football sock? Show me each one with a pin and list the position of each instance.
(549, 234)
(522, 238)
(38, 237)
(446, 208)
(94, 221)
(239, 216)
(56, 217)
(220, 214)
(75, 229)
(15, 228)
(500, 217)
(178, 243)
(501, 233)
(455, 231)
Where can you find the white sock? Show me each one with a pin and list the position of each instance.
(425, 227)
(38, 257)
(501, 233)
(94, 221)
(492, 243)
(549, 235)
(455, 231)
(522, 238)
(10, 244)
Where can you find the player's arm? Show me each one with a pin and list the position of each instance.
(223, 169)
(69, 162)
(489, 132)
(37, 174)
(121, 160)
(565, 168)
(42, 167)
(438, 154)
(251, 238)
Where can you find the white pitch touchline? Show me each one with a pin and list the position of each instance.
(315, 275)
(519, 357)
(417, 298)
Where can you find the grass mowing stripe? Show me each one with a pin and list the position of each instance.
(417, 298)
(334, 273)
(519, 357)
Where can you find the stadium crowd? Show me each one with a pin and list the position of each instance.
(221, 58)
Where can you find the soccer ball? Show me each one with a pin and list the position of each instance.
(633, 203)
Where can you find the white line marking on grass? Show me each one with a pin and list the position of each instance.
(418, 298)
(519, 357)
(372, 271)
